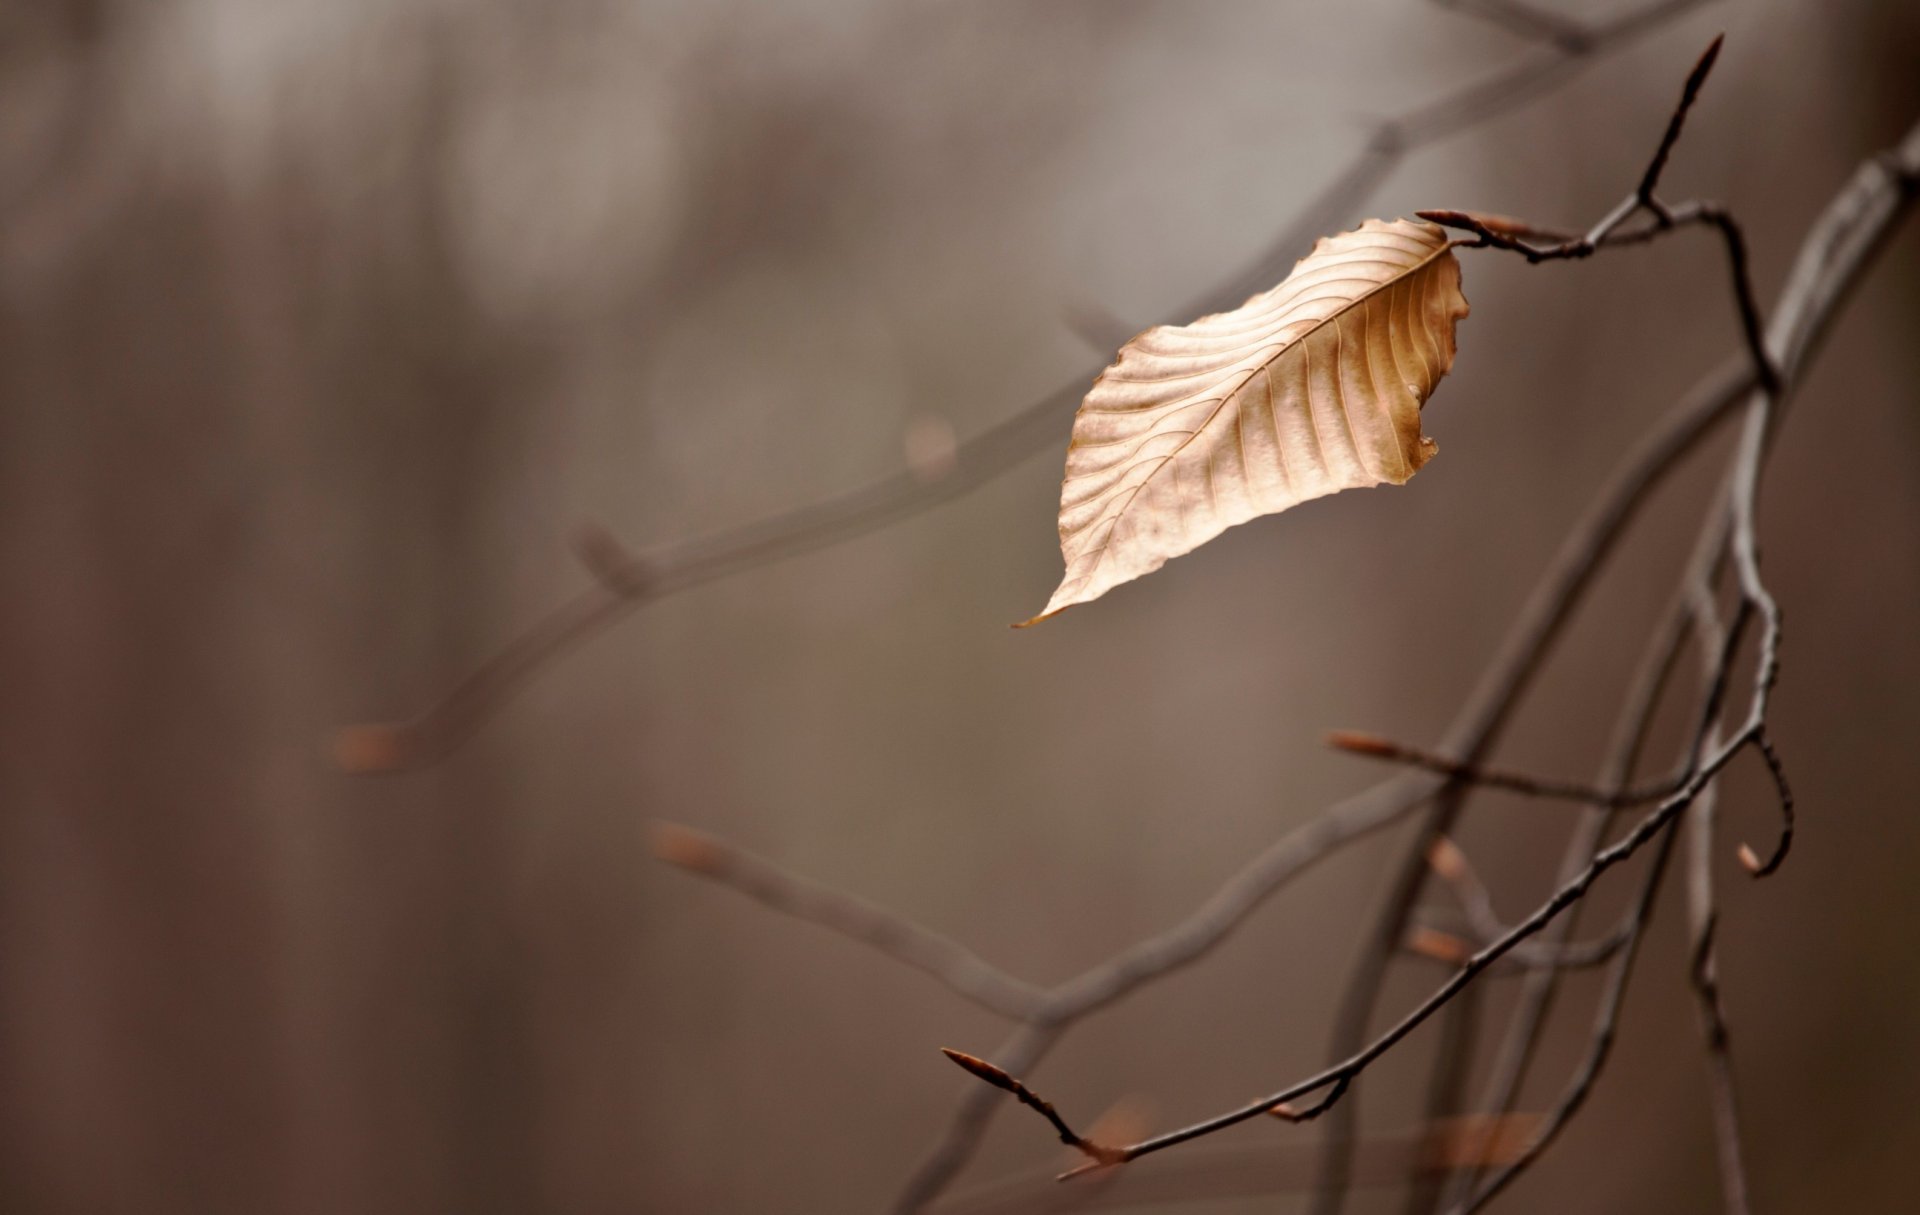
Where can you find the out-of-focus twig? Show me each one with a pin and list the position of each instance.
(1525, 21)
(959, 968)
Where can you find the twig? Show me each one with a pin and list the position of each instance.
(1690, 615)
(959, 968)
(1374, 747)
(1098, 1153)
(1703, 921)
(446, 724)
(1215, 1173)
(1451, 866)
(1526, 21)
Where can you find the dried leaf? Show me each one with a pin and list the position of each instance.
(1305, 390)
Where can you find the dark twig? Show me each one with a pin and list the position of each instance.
(450, 721)
(1374, 747)
(1214, 1173)
(1689, 93)
(1098, 1154)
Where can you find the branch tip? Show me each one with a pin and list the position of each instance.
(1081, 1170)
(372, 748)
(982, 1069)
(1445, 859)
(1359, 742)
(611, 563)
(685, 848)
(1437, 945)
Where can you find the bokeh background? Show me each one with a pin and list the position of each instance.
(323, 325)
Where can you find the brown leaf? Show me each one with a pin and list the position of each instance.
(1305, 390)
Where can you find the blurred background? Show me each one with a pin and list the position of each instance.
(322, 326)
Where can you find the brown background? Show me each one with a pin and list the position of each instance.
(322, 324)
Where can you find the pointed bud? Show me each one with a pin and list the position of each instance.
(981, 1068)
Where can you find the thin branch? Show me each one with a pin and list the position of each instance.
(450, 721)
(1689, 93)
(1526, 21)
(1373, 746)
(1451, 866)
(1703, 921)
(1600, 1043)
(957, 1142)
(975, 1066)
(1630, 736)
(895, 936)
(1690, 615)
(1215, 1173)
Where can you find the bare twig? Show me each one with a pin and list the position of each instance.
(1703, 921)
(1240, 1172)
(451, 720)
(1374, 747)
(1098, 1154)
(902, 940)
(1451, 866)
(1690, 615)
(1526, 21)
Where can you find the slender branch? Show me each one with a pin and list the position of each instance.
(1526, 21)
(1374, 747)
(900, 939)
(451, 720)
(1689, 93)
(1099, 1154)
(1451, 866)
(957, 1142)
(1703, 921)
(1215, 1173)
(1690, 615)
(1630, 736)
(1600, 1044)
